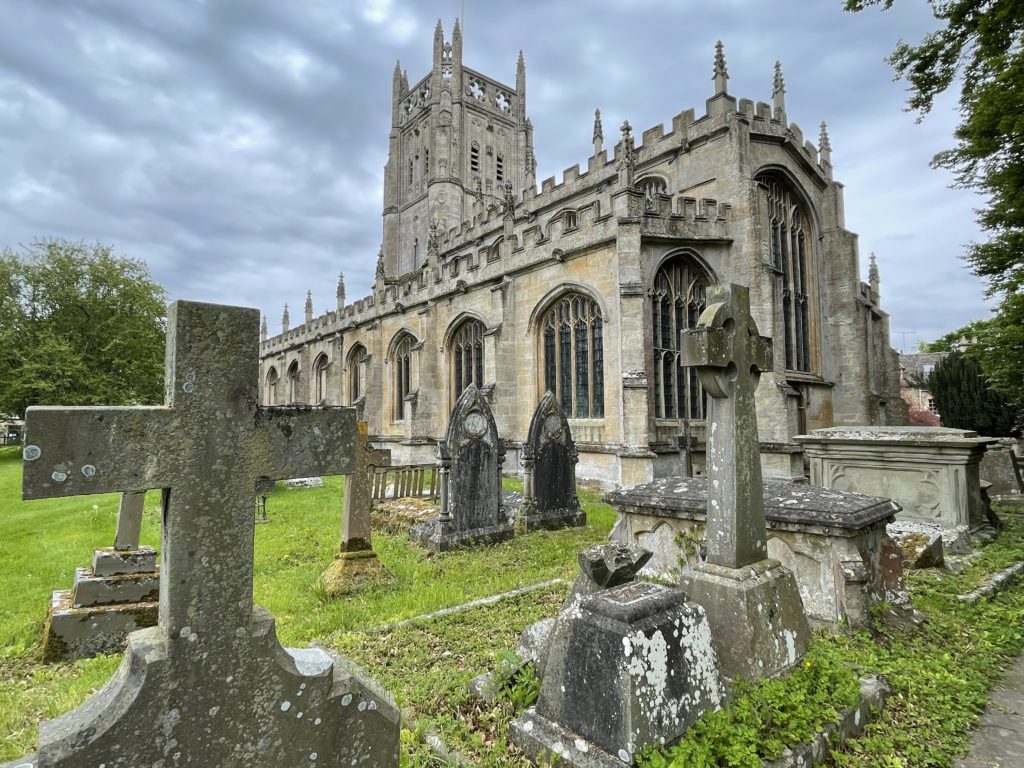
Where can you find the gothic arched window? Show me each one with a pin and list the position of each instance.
(791, 253)
(467, 356)
(320, 378)
(293, 382)
(356, 363)
(271, 396)
(677, 299)
(402, 366)
(572, 340)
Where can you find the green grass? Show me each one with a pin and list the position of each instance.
(43, 542)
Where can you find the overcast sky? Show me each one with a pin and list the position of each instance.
(238, 146)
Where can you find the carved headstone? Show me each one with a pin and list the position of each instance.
(117, 595)
(356, 563)
(757, 617)
(549, 463)
(628, 664)
(210, 685)
(469, 461)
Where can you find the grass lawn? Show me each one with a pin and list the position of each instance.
(940, 672)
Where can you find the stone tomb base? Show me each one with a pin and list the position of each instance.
(116, 596)
(834, 542)
(630, 666)
(352, 572)
(756, 616)
(439, 536)
(533, 519)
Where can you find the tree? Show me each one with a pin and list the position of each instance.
(78, 326)
(964, 399)
(983, 43)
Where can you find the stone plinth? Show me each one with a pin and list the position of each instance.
(117, 595)
(931, 472)
(834, 542)
(629, 666)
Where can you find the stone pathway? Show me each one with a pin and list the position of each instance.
(999, 736)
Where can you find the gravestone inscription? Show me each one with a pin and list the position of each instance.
(738, 585)
(469, 460)
(210, 685)
(549, 464)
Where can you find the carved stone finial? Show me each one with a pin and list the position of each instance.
(598, 129)
(721, 74)
(341, 291)
(873, 276)
(779, 89)
(824, 147)
(309, 306)
(284, 319)
(627, 161)
(433, 239)
(264, 330)
(380, 264)
(509, 202)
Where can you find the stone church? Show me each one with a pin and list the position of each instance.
(583, 286)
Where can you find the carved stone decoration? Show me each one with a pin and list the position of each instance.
(469, 462)
(549, 461)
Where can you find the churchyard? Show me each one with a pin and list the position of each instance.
(724, 672)
(940, 673)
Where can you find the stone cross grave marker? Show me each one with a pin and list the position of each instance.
(549, 464)
(209, 685)
(356, 564)
(729, 356)
(470, 459)
(738, 585)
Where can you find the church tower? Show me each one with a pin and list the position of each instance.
(457, 139)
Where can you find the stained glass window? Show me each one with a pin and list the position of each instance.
(467, 352)
(792, 254)
(402, 364)
(572, 339)
(676, 303)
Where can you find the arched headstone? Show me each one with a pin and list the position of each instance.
(549, 461)
(470, 459)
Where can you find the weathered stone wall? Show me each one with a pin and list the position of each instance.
(506, 270)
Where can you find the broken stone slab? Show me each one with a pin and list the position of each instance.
(83, 632)
(999, 468)
(832, 541)
(920, 550)
(874, 692)
(305, 482)
(90, 590)
(649, 672)
(955, 541)
(107, 561)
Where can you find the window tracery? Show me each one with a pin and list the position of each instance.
(356, 363)
(677, 299)
(402, 367)
(293, 382)
(467, 356)
(572, 340)
(320, 367)
(272, 379)
(791, 251)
